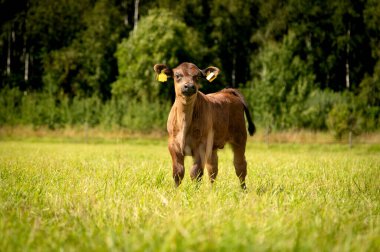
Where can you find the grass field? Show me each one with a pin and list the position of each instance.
(120, 196)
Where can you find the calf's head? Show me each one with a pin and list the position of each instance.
(186, 77)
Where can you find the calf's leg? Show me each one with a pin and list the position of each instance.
(178, 172)
(212, 166)
(197, 170)
(199, 163)
(240, 163)
(178, 165)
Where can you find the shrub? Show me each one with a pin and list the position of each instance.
(10, 103)
(282, 85)
(344, 117)
(317, 108)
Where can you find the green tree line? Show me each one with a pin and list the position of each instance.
(300, 64)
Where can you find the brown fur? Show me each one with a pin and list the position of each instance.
(199, 124)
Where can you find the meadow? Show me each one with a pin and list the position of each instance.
(119, 196)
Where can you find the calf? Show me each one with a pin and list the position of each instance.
(199, 125)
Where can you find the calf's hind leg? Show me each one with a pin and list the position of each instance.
(240, 163)
(212, 166)
(199, 163)
(196, 171)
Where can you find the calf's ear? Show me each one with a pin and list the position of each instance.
(162, 72)
(210, 73)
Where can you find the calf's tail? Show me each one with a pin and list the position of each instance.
(251, 125)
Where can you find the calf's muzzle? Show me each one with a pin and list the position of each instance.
(188, 89)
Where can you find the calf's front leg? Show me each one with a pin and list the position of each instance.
(178, 164)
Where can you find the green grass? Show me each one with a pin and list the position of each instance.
(96, 197)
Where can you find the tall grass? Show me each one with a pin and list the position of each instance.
(41, 109)
(95, 197)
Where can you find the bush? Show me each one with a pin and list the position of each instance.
(344, 117)
(369, 100)
(10, 103)
(134, 115)
(317, 108)
(282, 85)
(145, 116)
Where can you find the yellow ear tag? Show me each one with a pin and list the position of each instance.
(211, 76)
(162, 77)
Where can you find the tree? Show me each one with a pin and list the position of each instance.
(159, 38)
(36, 28)
(233, 23)
(337, 39)
(87, 66)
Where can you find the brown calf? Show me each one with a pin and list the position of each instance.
(199, 125)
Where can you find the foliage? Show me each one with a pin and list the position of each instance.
(283, 84)
(369, 100)
(342, 118)
(10, 101)
(294, 60)
(30, 34)
(120, 197)
(42, 109)
(86, 67)
(318, 106)
(232, 24)
(159, 38)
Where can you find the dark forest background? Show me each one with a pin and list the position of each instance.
(301, 64)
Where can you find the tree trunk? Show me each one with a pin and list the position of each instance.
(267, 131)
(347, 61)
(136, 16)
(350, 139)
(25, 56)
(124, 4)
(233, 74)
(9, 52)
(26, 72)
